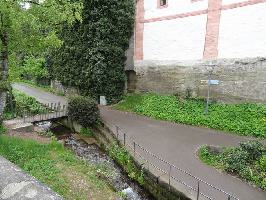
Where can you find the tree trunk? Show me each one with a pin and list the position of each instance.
(4, 72)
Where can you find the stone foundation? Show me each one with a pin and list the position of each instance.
(241, 80)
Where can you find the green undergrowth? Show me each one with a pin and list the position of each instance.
(124, 159)
(244, 119)
(58, 168)
(23, 104)
(247, 161)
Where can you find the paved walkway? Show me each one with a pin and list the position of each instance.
(17, 185)
(175, 143)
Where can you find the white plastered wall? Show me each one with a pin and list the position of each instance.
(174, 7)
(177, 39)
(243, 32)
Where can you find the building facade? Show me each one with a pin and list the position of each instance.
(180, 44)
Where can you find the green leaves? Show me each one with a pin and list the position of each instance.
(247, 161)
(35, 68)
(93, 53)
(242, 119)
(83, 110)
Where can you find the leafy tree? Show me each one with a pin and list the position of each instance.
(34, 68)
(29, 27)
(93, 54)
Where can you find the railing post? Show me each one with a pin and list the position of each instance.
(117, 134)
(134, 148)
(63, 112)
(198, 191)
(23, 116)
(169, 180)
(124, 139)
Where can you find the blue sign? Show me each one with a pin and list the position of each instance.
(213, 82)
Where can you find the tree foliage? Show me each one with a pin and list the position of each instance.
(93, 54)
(29, 27)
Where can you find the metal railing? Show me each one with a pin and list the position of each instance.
(174, 176)
(51, 111)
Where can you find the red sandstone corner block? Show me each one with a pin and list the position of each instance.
(139, 30)
(212, 29)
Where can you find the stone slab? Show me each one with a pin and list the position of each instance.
(16, 184)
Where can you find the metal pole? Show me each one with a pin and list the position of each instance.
(208, 99)
(229, 197)
(169, 181)
(23, 116)
(134, 148)
(124, 139)
(198, 191)
(117, 132)
(64, 107)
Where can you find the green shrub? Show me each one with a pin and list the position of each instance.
(248, 161)
(262, 163)
(83, 110)
(235, 159)
(254, 149)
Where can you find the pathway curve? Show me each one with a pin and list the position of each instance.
(175, 143)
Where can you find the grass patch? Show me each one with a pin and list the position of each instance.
(248, 161)
(57, 167)
(243, 119)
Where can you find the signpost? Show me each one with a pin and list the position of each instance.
(210, 82)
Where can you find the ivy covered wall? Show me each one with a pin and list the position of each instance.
(92, 56)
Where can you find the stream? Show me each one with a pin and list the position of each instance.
(87, 149)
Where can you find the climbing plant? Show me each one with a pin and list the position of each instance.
(93, 54)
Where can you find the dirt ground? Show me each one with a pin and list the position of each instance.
(30, 135)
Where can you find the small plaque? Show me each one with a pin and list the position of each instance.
(213, 82)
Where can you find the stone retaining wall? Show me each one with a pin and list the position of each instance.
(241, 80)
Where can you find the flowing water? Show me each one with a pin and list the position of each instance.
(87, 149)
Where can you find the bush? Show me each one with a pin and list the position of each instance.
(83, 110)
(254, 149)
(235, 159)
(248, 161)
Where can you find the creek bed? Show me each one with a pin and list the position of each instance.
(87, 149)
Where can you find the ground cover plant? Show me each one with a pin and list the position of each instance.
(248, 161)
(23, 104)
(243, 119)
(58, 168)
(122, 156)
